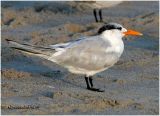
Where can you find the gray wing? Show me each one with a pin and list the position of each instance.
(89, 54)
(62, 46)
(41, 51)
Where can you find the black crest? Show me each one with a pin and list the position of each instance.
(109, 27)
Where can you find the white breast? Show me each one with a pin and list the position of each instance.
(115, 40)
(119, 48)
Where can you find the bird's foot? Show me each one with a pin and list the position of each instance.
(95, 89)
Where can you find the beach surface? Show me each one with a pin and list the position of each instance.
(31, 85)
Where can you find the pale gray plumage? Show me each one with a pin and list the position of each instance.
(41, 51)
(87, 55)
(84, 54)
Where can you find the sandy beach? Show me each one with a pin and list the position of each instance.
(31, 85)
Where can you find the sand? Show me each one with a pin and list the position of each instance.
(31, 85)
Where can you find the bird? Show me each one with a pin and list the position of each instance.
(97, 6)
(86, 55)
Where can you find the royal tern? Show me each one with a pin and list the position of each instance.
(87, 55)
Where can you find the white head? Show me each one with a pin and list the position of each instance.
(114, 30)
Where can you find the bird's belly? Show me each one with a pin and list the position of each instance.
(93, 62)
(93, 66)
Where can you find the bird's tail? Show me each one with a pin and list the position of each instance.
(44, 52)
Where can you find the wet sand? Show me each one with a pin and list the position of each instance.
(31, 85)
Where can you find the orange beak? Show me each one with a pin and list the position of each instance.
(132, 32)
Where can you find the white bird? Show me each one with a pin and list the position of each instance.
(88, 55)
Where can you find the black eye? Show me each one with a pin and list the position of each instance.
(119, 28)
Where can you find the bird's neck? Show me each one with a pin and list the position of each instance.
(116, 43)
(115, 38)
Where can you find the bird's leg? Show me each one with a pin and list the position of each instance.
(100, 15)
(95, 14)
(86, 79)
(92, 88)
(90, 80)
(90, 85)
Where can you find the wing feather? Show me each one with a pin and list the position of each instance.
(89, 54)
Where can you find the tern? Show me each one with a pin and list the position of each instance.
(87, 55)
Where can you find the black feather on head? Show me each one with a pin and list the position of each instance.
(109, 26)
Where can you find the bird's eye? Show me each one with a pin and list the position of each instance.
(119, 28)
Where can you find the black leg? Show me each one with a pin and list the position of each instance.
(95, 14)
(90, 80)
(100, 15)
(90, 85)
(86, 79)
